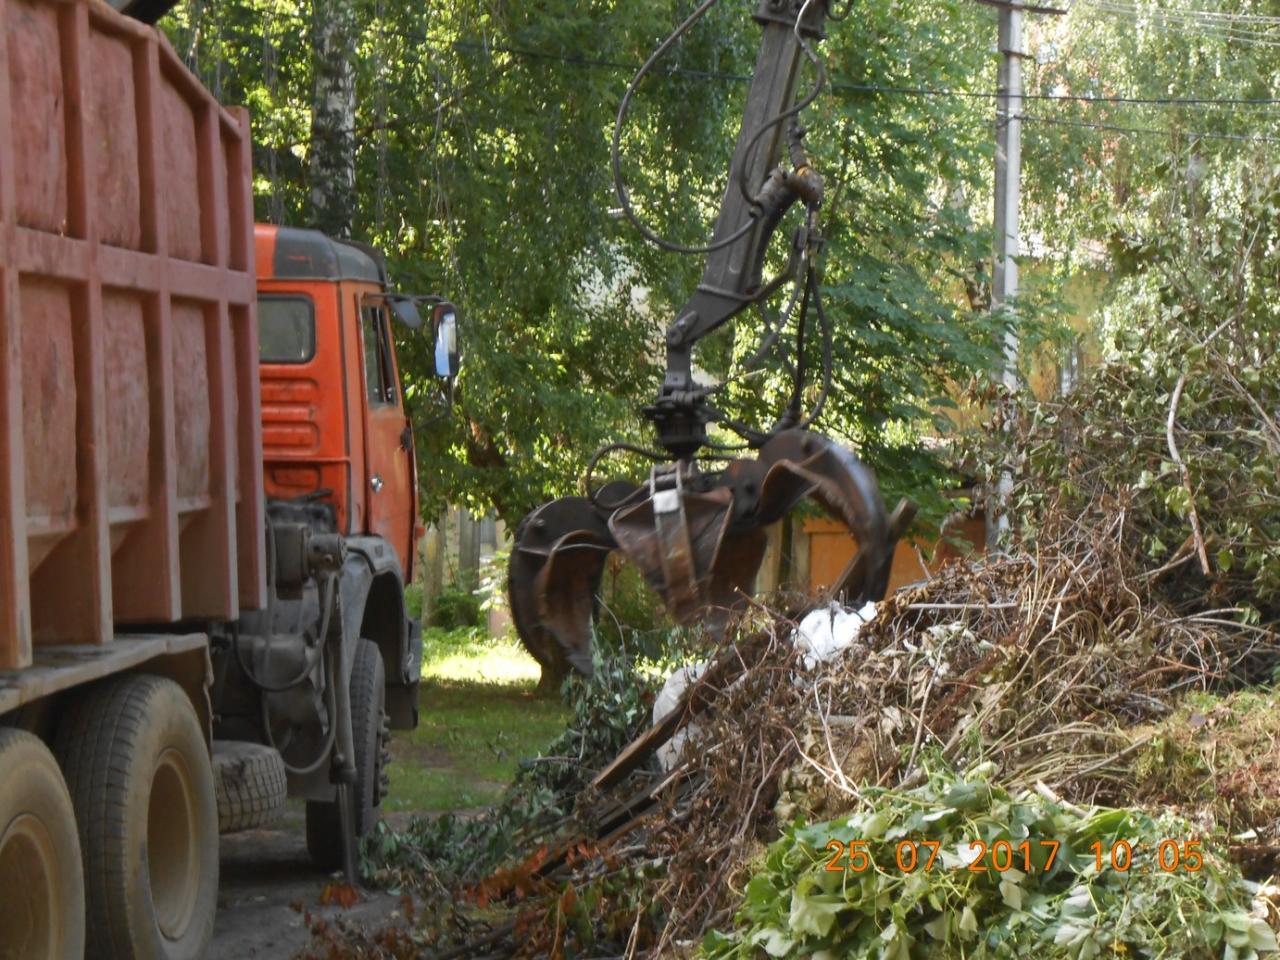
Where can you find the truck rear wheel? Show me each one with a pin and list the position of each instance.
(41, 890)
(142, 787)
(369, 731)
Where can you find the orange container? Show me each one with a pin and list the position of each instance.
(130, 441)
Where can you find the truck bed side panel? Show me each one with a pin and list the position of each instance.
(130, 442)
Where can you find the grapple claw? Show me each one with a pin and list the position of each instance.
(675, 536)
(698, 538)
(847, 490)
(553, 578)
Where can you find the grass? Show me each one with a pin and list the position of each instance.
(1219, 756)
(478, 717)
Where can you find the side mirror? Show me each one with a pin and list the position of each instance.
(444, 318)
(405, 309)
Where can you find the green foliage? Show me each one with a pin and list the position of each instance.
(1089, 161)
(482, 135)
(795, 907)
(608, 711)
(1191, 321)
(413, 600)
(632, 620)
(455, 607)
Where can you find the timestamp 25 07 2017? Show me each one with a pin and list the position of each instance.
(1029, 856)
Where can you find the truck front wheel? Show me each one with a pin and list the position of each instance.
(42, 917)
(142, 786)
(369, 732)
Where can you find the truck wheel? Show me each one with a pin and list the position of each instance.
(41, 889)
(142, 787)
(251, 785)
(370, 734)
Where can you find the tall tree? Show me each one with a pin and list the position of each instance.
(482, 151)
(334, 31)
(1136, 97)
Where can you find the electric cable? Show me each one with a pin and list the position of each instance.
(260, 684)
(1191, 134)
(331, 707)
(836, 85)
(326, 602)
(828, 354)
(594, 495)
(248, 671)
(773, 331)
(1163, 20)
(1181, 13)
(792, 414)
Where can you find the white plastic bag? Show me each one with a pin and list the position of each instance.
(824, 632)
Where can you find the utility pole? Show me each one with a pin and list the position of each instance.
(1008, 197)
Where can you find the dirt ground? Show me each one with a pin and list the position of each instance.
(264, 873)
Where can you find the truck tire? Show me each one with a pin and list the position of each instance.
(41, 887)
(142, 786)
(251, 785)
(370, 733)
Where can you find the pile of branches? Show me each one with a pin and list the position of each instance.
(1178, 422)
(1037, 665)
(1189, 459)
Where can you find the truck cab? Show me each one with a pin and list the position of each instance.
(335, 431)
(196, 621)
(333, 416)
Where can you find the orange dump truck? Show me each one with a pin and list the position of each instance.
(207, 499)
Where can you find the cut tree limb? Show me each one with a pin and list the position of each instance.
(1185, 476)
(726, 668)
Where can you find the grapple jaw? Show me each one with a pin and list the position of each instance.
(698, 538)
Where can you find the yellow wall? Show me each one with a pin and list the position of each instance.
(831, 548)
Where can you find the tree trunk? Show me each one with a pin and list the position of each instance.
(333, 115)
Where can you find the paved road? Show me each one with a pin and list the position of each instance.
(263, 873)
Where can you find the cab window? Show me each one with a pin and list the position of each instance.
(286, 329)
(378, 377)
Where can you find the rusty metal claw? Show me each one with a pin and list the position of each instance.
(553, 578)
(847, 490)
(698, 538)
(674, 536)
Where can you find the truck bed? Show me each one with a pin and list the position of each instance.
(130, 452)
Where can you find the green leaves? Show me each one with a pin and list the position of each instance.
(609, 710)
(1202, 302)
(482, 135)
(797, 907)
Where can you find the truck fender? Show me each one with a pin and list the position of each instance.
(373, 606)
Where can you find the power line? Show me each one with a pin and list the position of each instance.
(843, 86)
(1072, 98)
(1193, 134)
(1210, 16)
(1162, 19)
(849, 87)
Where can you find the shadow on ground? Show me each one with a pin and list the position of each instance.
(264, 874)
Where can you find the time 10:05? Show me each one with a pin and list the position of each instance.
(1171, 855)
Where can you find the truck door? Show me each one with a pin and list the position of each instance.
(392, 496)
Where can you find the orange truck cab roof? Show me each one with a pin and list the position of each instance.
(292, 253)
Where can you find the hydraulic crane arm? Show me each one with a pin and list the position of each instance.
(757, 196)
(697, 534)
